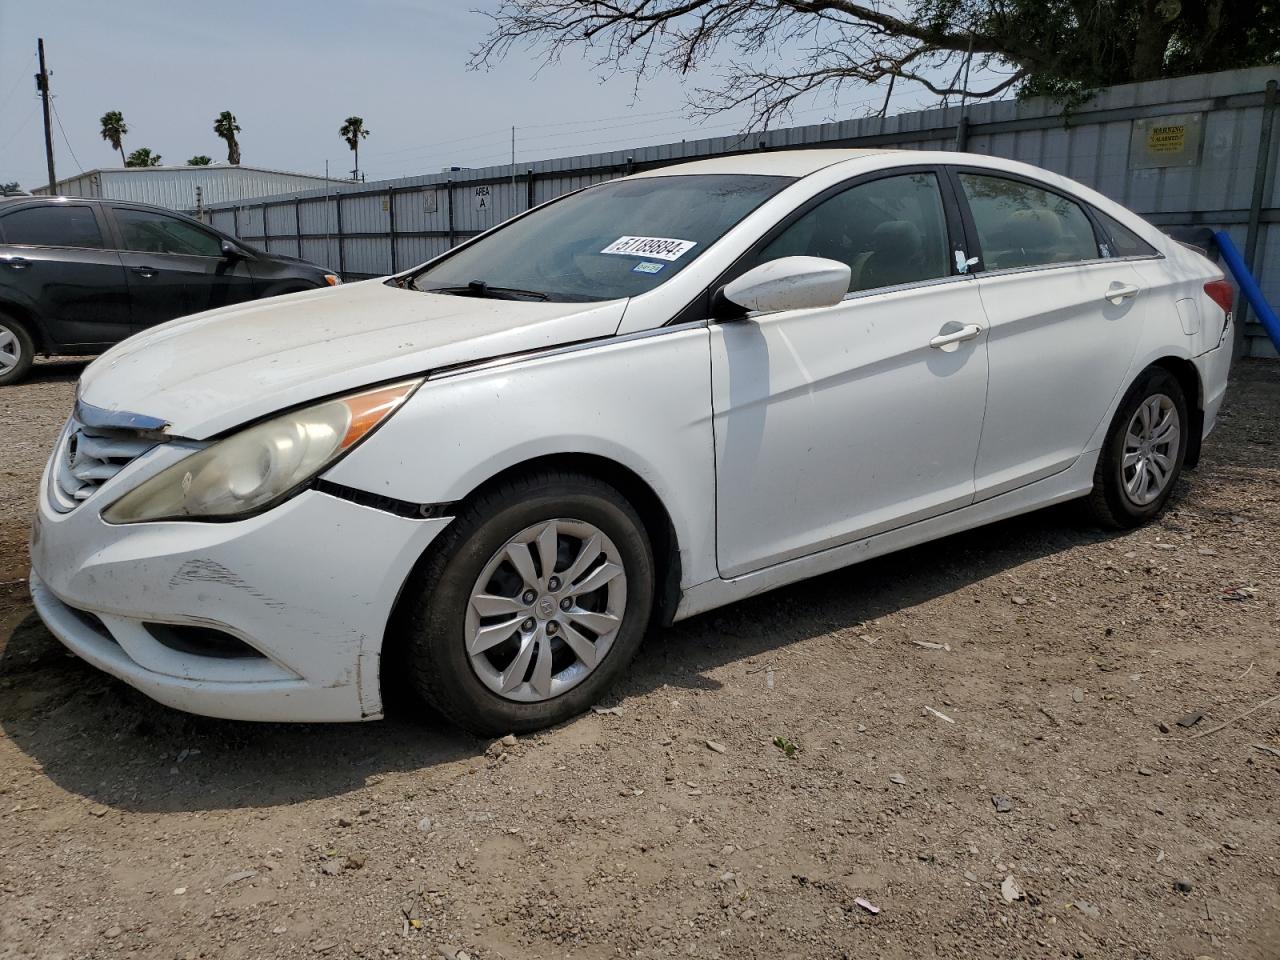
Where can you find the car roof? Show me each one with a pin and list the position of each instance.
(41, 198)
(777, 163)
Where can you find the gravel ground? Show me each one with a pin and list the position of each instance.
(994, 713)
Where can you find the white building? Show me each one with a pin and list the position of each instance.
(186, 189)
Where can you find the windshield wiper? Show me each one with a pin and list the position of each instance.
(478, 288)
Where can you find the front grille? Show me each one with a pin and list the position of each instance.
(87, 457)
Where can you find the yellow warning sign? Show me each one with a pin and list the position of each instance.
(1168, 141)
(1170, 138)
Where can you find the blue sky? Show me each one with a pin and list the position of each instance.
(291, 71)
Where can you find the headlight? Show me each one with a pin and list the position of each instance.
(332, 279)
(261, 465)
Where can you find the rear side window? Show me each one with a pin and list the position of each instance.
(1123, 242)
(149, 232)
(1023, 226)
(53, 225)
(889, 231)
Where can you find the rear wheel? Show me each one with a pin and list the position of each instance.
(17, 351)
(1143, 455)
(533, 603)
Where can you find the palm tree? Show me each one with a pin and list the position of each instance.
(142, 157)
(227, 128)
(353, 131)
(113, 130)
(200, 160)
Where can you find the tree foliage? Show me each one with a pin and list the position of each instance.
(226, 127)
(142, 157)
(780, 50)
(11, 186)
(353, 131)
(113, 130)
(199, 160)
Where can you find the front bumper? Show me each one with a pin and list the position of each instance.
(308, 585)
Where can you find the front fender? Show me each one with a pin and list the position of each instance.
(643, 403)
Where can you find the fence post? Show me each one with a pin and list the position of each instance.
(528, 199)
(391, 214)
(962, 133)
(448, 185)
(297, 224)
(1260, 172)
(342, 260)
(266, 234)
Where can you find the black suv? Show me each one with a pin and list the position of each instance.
(77, 276)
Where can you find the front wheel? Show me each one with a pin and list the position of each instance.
(1142, 457)
(534, 601)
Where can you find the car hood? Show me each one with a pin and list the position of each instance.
(211, 371)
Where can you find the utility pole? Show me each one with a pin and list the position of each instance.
(42, 84)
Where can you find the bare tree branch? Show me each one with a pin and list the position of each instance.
(781, 51)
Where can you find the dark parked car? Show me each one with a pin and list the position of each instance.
(77, 276)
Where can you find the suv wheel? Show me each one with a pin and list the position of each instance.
(16, 351)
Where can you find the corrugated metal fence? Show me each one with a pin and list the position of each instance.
(1181, 152)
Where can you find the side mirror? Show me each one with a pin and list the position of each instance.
(790, 283)
(231, 252)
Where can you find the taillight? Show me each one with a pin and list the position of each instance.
(1221, 293)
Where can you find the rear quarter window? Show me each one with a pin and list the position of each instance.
(1123, 242)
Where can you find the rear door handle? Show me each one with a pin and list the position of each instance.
(145, 271)
(18, 263)
(964, 333)
(1118, 293)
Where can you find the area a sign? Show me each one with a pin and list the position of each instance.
(482, 199)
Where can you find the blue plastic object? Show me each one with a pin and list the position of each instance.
(1249, 286)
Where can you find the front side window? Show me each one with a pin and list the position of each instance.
(53, 225)
(148, 232)
(1023, 226)
(889, 231)
(615, 240)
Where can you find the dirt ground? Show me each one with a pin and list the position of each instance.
(1001, 704)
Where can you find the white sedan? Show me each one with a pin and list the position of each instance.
(492, 473)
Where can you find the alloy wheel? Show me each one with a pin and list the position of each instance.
(545, 610)
(1150, 449)
(10, 349)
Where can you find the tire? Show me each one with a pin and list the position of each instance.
(442, 626)
(1120, 499)
(17, 351)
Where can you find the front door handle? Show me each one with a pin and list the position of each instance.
(1118, 293)
(18, 263)
(964, 333)
(145, 271)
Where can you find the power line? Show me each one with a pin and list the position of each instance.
(14, 89)
(70, 149)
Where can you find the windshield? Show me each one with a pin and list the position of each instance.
(616, 240)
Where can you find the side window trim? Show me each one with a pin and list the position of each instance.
(971, 230)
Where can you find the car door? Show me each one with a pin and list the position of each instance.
(176, 267)
(837, 423)
(1064, 324)
(55, 263)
